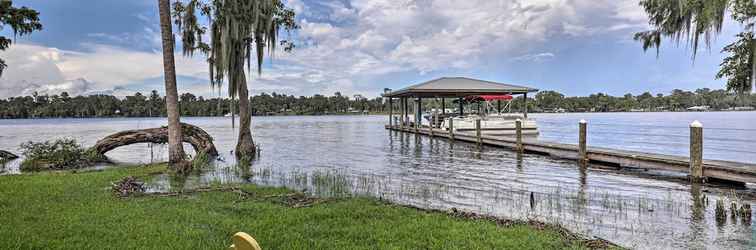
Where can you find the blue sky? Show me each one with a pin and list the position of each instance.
(576, 47)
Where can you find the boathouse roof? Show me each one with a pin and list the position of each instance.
(458, 87)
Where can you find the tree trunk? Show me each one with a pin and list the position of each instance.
(175, 147)
(245, 147)
(198, 138)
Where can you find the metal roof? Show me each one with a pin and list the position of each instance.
(458, 87)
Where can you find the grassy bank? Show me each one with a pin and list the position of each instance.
(77, 211)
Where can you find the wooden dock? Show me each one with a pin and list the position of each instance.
(712, 169)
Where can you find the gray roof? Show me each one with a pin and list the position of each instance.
(458, 87)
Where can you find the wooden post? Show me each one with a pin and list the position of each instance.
(582, 142)
(477, 131)
(451, 128)
(418, 113)
(518, 126)
(391, 112)
(696, 151)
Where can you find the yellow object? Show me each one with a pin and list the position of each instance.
(242, 241)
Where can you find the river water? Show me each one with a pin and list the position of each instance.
(355, 155)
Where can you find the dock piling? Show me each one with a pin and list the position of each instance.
(582, 142)
(696, 151)
(451, 129)
(518, 126)
(477, 131)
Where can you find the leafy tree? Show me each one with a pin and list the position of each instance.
(697, 21)
(22, 21)
(549, 99)
(239, 30)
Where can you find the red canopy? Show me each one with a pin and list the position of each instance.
(496, 97)
(488, 97)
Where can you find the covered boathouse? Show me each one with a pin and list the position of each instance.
(446, 87)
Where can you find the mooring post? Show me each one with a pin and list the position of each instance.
(696, 151)
(518, 126)
(582, 141)
(477, 131)
(451, 128)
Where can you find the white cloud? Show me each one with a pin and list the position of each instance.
(347, 46)
(392, 36)
(50, 70)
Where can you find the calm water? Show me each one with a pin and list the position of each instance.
(338, 155)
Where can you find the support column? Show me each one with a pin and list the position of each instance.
(405, 118)
(391, 112)
(418, 113)
(696, 151)
(443, 105)
(525, 105)
(401, 112)
(461, 107)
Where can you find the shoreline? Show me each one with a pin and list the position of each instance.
(369, 114)
(377, 222)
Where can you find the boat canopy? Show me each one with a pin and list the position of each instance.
(487, 98)
(496, 97)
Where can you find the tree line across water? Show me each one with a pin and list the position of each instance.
(153, 105)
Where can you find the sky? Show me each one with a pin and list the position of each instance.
(576, 47)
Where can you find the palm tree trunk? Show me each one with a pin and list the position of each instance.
(245, 147)
(175, 147)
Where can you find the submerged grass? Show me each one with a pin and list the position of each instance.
(57, 155)
(78, 211)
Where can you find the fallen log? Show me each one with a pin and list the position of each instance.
(200, 140)
(5, 155)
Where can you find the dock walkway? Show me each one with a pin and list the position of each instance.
(716, 169)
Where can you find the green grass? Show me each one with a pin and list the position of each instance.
(52, 210)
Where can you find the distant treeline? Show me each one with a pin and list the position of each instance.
(678, 100)
(152, 105)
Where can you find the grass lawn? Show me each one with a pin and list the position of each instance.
(77, 211)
